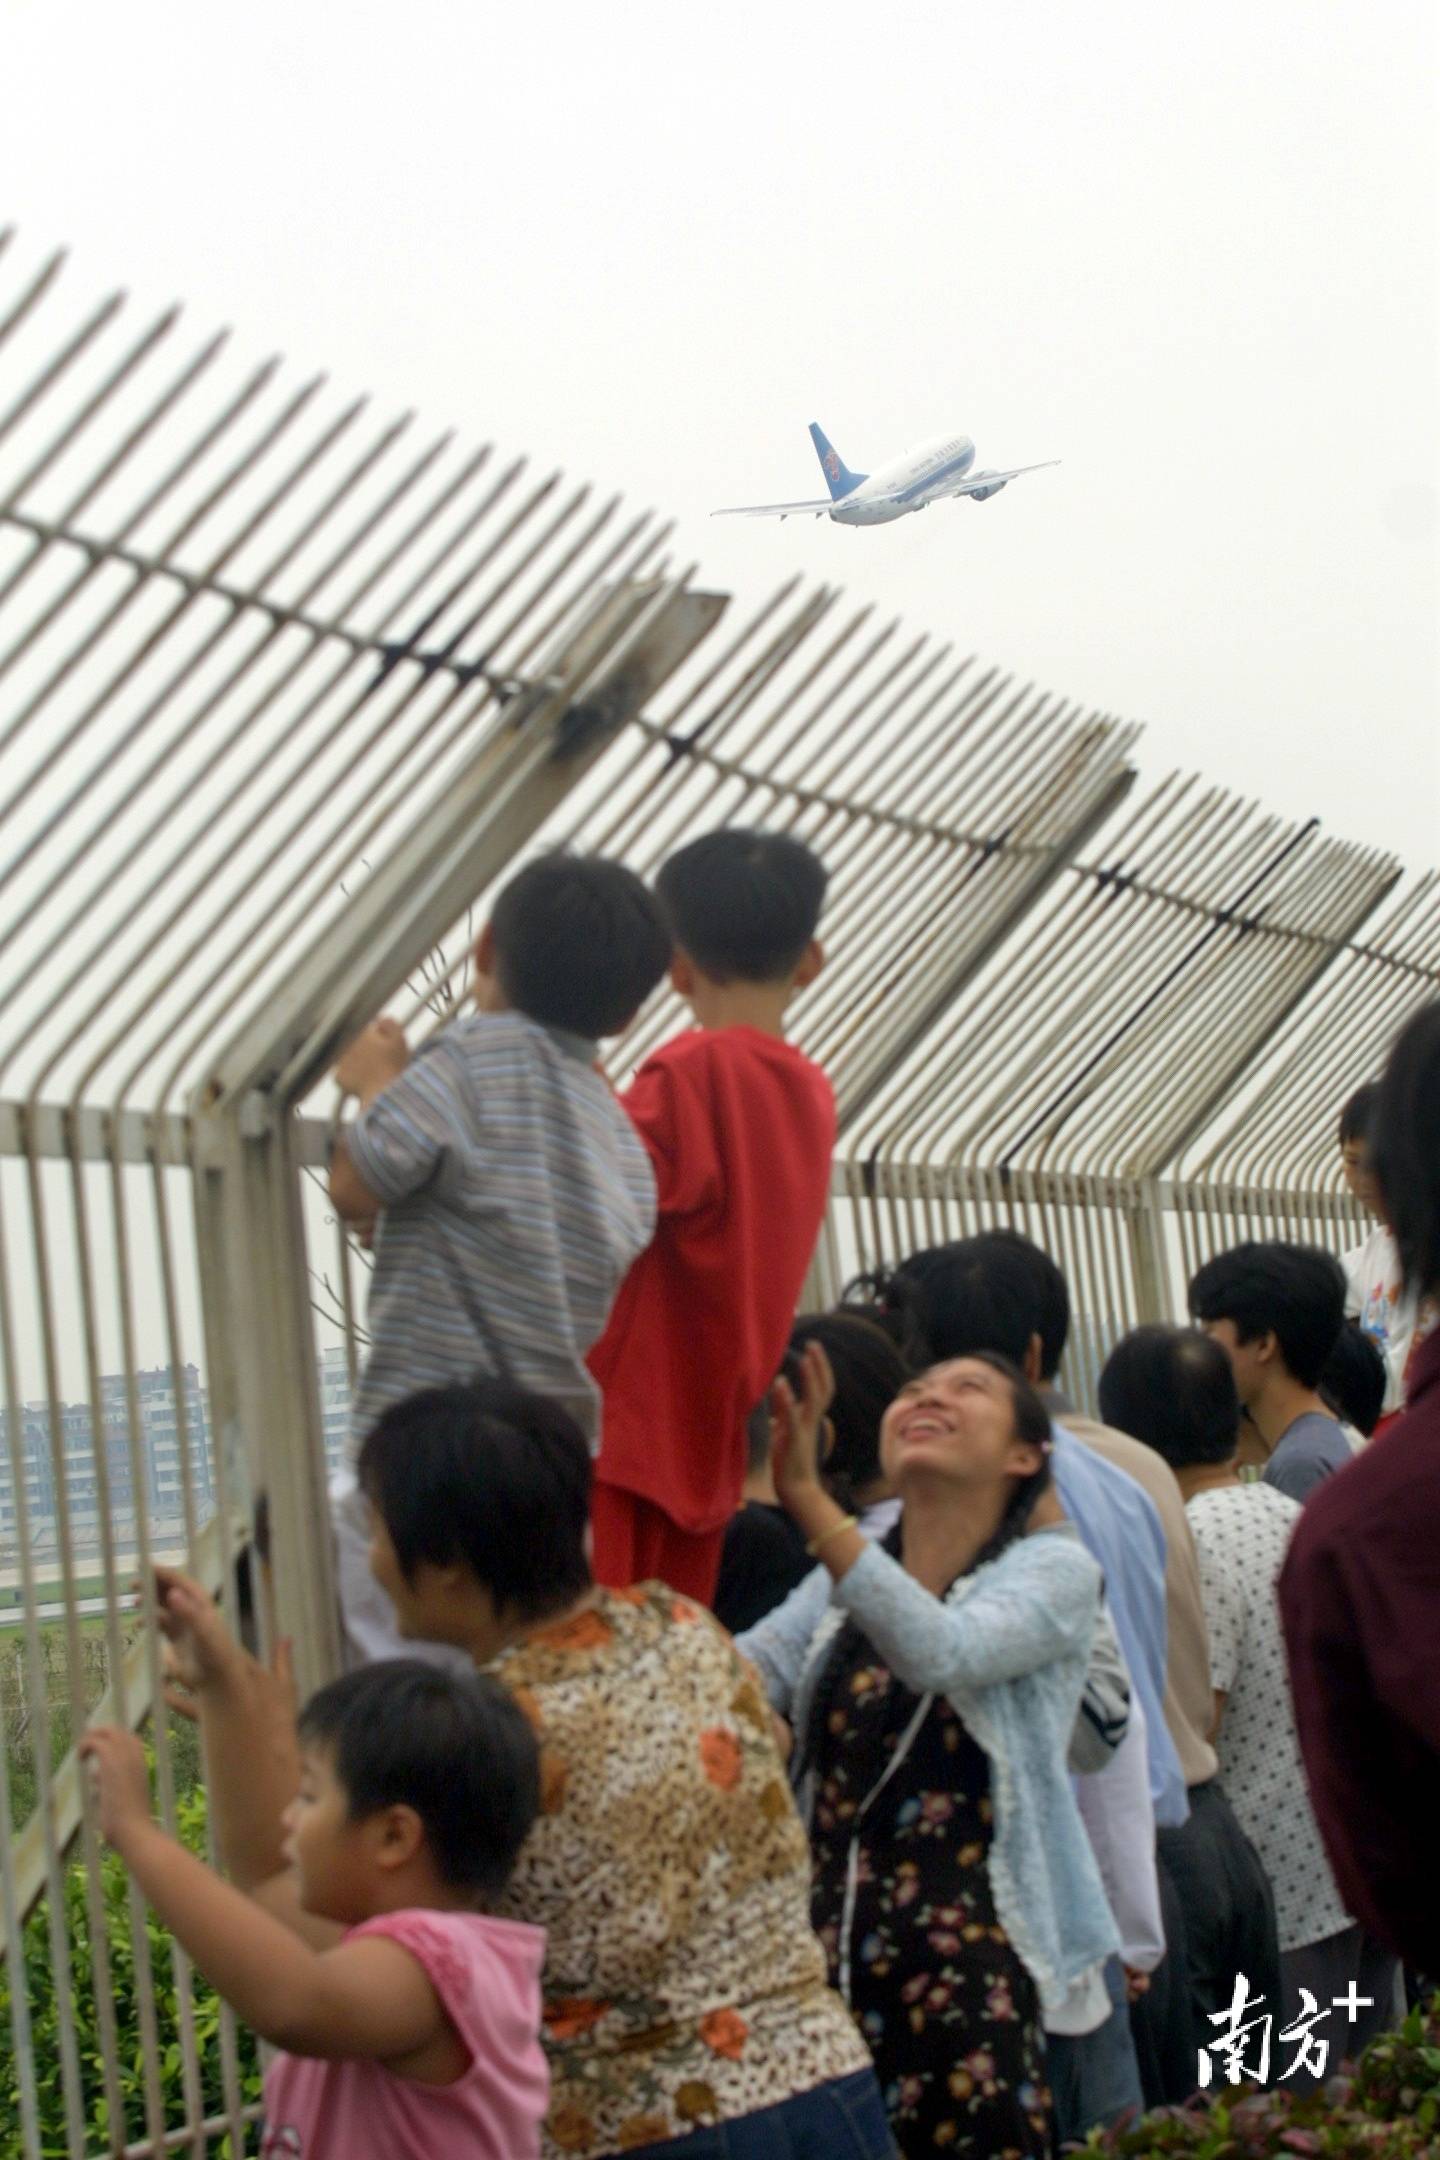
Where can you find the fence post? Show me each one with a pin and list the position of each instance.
(1144, 1218)
(265, 1405)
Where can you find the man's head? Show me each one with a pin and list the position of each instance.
(1355, 1122)
(743, 907)
(1275, 1309)
(995, 1291)
(480, 1502)
(1052, 1297)
(574, 942)
(1405, 1148)
(1174, 1389)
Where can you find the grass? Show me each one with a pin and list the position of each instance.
(88, 1624)
(52, 1590)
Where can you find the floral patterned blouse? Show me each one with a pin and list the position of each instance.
(683, 1982)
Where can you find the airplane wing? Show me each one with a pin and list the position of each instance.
(795, 509)
(974, 482)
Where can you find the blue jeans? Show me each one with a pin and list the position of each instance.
(1095, 2079)
(842, 2120)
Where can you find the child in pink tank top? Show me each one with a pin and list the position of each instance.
(409, 2018)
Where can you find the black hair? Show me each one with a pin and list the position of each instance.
(1052, 1295)
(1359, 1110)
(260, 1525)
(1404, 1147)
(1173, 1388)
(247, 1607)
(1032, 1425)
(743, 905)
(490, 1475)
(757, 1437)
(454, 1747)
(887, 1300)
(978, 1293)
(1296, 1292)
(1355, 1378)
(579, 943)
(869, 1373)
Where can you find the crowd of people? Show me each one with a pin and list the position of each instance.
(811, 1738)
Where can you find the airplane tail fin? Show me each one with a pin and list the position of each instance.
(838, 476)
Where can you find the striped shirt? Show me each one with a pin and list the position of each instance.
(516, 1194)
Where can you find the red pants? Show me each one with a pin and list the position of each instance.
(635, 1541)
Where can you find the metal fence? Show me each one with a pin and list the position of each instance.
(284, 690)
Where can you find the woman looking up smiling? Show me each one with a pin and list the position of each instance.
(933, 1686)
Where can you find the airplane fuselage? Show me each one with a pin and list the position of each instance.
(938, 471)
(907, 484)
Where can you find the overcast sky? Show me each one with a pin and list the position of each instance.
(1193, 254)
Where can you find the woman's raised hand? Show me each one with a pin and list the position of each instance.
(796, 1426)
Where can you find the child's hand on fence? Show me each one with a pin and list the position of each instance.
(120, 1779)
(199, 1648)
(378, 1055)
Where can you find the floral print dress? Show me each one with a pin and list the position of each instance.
(950, 2013)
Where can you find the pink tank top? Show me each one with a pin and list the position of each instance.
(487, 1974)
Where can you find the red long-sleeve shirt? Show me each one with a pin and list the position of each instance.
(740, 1128)
(1360, 1603)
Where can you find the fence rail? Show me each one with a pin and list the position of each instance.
(285, 690)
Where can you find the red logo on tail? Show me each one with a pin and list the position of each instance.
(832, 464)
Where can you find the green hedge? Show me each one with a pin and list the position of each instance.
(40, 1988)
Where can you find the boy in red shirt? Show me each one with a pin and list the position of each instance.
(740, 1129)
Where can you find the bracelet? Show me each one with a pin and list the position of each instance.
(846, 1522)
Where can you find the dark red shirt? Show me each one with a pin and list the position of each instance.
(1360, 1602)
(740, 1127)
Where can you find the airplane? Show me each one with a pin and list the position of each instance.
(932, 473)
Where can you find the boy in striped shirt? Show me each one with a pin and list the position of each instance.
(512, 1191)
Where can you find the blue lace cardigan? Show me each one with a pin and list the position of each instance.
(1009, 1648)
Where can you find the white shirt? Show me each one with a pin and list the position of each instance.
(1241, 1535)
(879, 1519)
(1376, 1296)
(1119, 1819)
